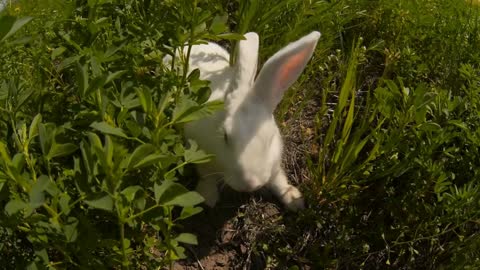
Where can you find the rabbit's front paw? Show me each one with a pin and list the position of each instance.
(293, 199)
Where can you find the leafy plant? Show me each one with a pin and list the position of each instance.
(94, 168)
(91, 153)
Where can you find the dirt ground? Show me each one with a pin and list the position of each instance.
(227, 233)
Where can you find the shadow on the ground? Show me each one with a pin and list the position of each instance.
(222, 232)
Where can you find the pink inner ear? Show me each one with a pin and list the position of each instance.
(288, 71)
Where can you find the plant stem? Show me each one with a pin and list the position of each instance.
(125, 263)
(142, 212)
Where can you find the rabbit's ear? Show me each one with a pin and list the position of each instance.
(246, 62)
(283, 69)
(247, 58)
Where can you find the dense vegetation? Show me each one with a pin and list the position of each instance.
(94, 172)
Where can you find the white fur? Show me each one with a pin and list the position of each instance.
(251, 157)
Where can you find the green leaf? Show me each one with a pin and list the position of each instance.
(108, 150)
(95, 141)
(44, 139)
(187, 238)
(18, 161)
(104, 203)
(57, 52)
(61, 150)
(207, 109)
(98, 76)
(196, 84)
(127, 102)
(231, 36)
(133, 127)
(130, 192)
(420, 114)
(14, 206)
(126, 243)
(37, 195)
(139, 153)
(4, 93)
(114, 75)
(82, 78)
(189, 211)
(188, 110)
(64, 203)
(199, 28)
(9, 25)
(159, 190)
(107, 129)
(219, 24)
(149, 160)
(187, 199)
(5, 157)
(22, 40)
(194, 155)
(179, 251)
(430, 126)
(140, 203)
(348, 86)
(113, 50)
(33, 130)
(87, 157)
(43, 255)
(72, 43)
(164, 102)
(459, 124)
(183, 108)
(347, 126)
(97, 83)
(68, 62)
(392, 86)
(70, 230)
(24, 97)
(145, 98)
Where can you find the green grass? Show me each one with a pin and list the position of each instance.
(398, 149)
(388, 112)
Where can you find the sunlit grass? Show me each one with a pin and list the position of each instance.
(473, 2)
(390, 100)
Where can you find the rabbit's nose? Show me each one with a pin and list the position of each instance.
(252, 184)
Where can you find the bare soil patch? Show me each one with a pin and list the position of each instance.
(228, 233)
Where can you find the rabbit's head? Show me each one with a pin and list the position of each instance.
(251, 140)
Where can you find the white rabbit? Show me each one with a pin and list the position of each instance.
(244, 137)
